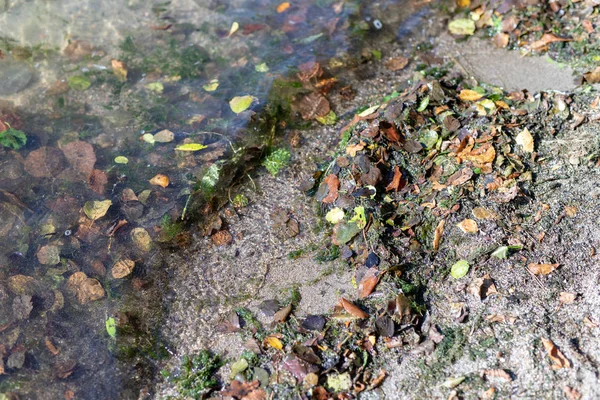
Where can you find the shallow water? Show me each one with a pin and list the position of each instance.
(90, 83)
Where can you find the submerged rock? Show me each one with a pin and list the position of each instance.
(14, 77)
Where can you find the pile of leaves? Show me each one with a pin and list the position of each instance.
(566, 30)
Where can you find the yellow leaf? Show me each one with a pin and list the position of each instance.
(160, 180)
(525, 140)
(274, 342)
(121, 160)
(469, 95)
(234, 27)
(463, 3)
(283, 6)
(240, 103)
(211, 86)
(190, 147)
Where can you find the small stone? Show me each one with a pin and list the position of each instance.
(22, 307)
(14, 77)
(314, 322)
(372, 260)
(269, 307)
(16, 360)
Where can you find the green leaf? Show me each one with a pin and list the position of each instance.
(111, 327)
(240, 103)
(96, 209)
(459, 269)
(424, 104)
(211, 86)
(261, 68)
(329, 119)
(503, 251)
(13, 138)
(359, 217)
(121, 160)
(209, 181)
(156, 87)
(462, 26)
(190, 147)
(79, 82)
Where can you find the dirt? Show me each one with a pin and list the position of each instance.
(208, 281)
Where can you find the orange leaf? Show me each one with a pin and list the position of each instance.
(469, 95)
(283, 6)
(558, 358)
(333, 183)
(397, 181)
(368, 283)
(542, 269)
(468, 226)
(160, 180)
(437, 235)
(274, 342)
(353, 309)
(545, 40)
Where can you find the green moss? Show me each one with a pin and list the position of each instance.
(276, 160)
(13, 138)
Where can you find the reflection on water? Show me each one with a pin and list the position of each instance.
(98, 98)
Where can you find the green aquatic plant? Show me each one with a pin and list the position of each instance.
(13, 138)
(196, 375)
(276, 160)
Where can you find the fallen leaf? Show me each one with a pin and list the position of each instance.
(397, 182)
(283, 6)
(281, 315)
(544, 41)
(501, 40)
(463, 3)
(222, 238)
(468, 226)
(368, 282)
(309, 70)
(234, 27)
(51, 347)
(396, 63)
(96, 209)
(459, 269)
(354, 148)
(160, 180)
(122, 268)
(571, 393)
(462, 26)
(501, 318)
(497, 373)
(592, 76)
(483, 287)
(437, 234)
(45, 162)
(570, 211)
(335, 215)
(240, 103)
(482, 213)
(542, 269)
(119, 69)
(313, 105)
(49, 255)
(525, 140)
(469, 95)
(121, 160)
(211, 86)
(97, 180)
(273, 342)
(567, 298)
(81, 156)
(333, 183)
(558, 358)
(352, 309)
(190, 147)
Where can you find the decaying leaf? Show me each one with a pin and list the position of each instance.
(570, 211)
(164, 136)
(160, 180)
(558, 359)
(222, 238)
(483, 287)
(354, 148)
(567, 298)
(352, 309)
(313, 105)
(462, 26)
(497, 373)
(592, 76)
(437, 235)
(396, 63)
(96, 209)
(571, 393)
(97, 180)
(281, 315)
(397, 182)
(49, 255)
(122, 268)
(482, 213)
(333, 183)
(141, 239)
(525, 140)
(81, 156)
(468, 226)
(544, 41)
(542, 269)
(274, 342)
(119, 69)
(45, 162)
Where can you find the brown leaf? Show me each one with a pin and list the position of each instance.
(437, 235)
(309, 70)
(352, 309)
(469, 95)
(313, 105)
(281, 315)
(81, 156)
(396, 63)
(119, 69)
(51, 347)
(390, 132)
(240, 390)
(333, 183)
(501, 40)
(398, 182)
(354, 148)
(592, 76)
(497, 373)
(483, 287)
(544, 41)
(571, 393)
(45, 162)
(542, 269)
(507, 319)
(482, 213)
(558, 358)
(97, 181)
(460, 177)
(368, 282)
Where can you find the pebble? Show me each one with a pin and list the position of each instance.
(14, 77)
